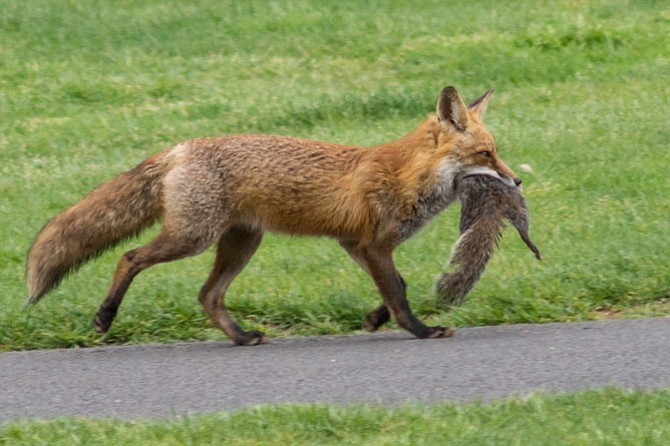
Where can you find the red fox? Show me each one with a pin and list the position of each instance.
(230, 190)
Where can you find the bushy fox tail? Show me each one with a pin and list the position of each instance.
(118, 209)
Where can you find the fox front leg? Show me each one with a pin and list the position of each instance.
(379, 263)
(380, 315)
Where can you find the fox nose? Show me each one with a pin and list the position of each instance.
(517, 181)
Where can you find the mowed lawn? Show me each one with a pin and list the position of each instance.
(603, 418)
(90, 89)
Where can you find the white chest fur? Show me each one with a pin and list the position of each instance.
(432, 201)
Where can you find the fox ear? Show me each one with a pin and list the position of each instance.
(451, 110)
(478, 106)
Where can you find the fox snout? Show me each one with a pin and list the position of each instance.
(506, 173)
(516, 180)
(508, 177)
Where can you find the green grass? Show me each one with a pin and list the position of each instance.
(607, 418)
(89, 89)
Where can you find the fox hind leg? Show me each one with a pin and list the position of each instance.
(166, 247)
(235, 249)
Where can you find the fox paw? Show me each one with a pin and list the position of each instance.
(102, 322)
(439, 332)
(376, 318)
(251, 338)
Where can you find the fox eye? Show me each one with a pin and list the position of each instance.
(485, 153)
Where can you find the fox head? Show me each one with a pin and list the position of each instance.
(465, 141)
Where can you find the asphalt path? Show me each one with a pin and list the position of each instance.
(388, 368)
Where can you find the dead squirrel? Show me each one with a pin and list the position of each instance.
(486, 202)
